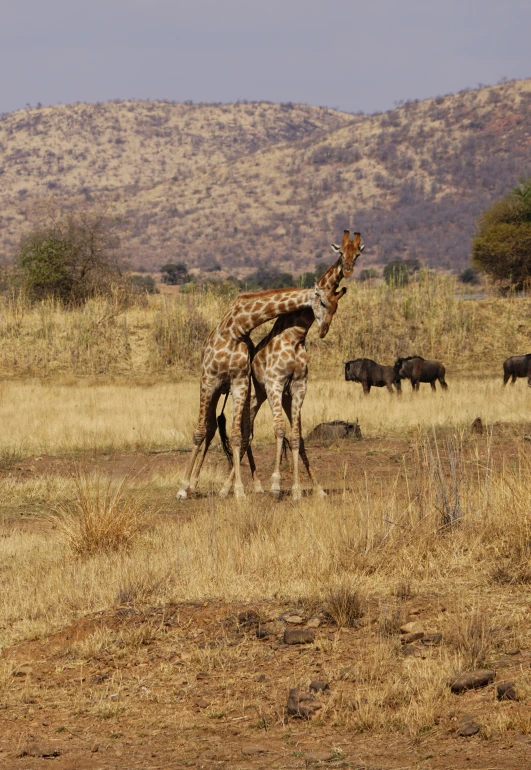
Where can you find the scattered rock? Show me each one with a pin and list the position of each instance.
(23, 670)
(249, 619)
(413, 627)
(432, 640)
(412, 637)
(467, 726)
(299, 636)
(332, 431)
(319, 756)
(313, 623)
(292, 618)
(202, 675)
(516, 651)
(471, 680)
(95, 748)
(254, 748)
(101, 677)
(261, 678)
(506, 691)
(302, 704)
(477, 426)
(414, 649)
(272, 628)
(35, 750)
(319, 686)
(202, 703)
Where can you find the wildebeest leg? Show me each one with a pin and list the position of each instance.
(513, 379)
(208, 390)
(415, 384)
(506, 378)
(443, 383)
(432, 384)
(529, 381)
(366, 387)
(398, 386)
(389, 387)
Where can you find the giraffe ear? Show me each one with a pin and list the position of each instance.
(335, 247)
(341, 292)
(362, 247)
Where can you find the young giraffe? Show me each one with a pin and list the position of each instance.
(280, 373)
(227, 365)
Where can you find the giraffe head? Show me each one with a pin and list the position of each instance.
(324, 306)
(349, 251)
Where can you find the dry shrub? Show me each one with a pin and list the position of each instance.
(104, 515)
(345, 605)
(474, 636)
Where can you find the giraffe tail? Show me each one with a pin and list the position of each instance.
(225, 441)
(285, 446)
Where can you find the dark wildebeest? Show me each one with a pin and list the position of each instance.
(370, 374)
(517, 366)
(416, 369)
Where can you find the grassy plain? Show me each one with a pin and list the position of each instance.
(425, 520)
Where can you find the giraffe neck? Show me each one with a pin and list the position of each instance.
(251, 310)
(298, 323)
(333, 276)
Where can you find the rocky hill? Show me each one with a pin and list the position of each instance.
(250, 183)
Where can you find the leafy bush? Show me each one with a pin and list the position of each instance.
(71, 257)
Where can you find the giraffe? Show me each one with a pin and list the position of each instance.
(227, 364)
(280, 373)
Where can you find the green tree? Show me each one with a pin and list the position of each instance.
(70, 256)
(175, 273)
(502, 245)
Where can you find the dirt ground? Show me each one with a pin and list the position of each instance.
(205, 686)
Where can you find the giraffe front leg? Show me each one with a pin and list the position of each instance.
(206, 394)
(240, 390)
(211, 427)
(274, 396)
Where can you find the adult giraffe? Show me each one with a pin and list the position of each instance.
(280, 373)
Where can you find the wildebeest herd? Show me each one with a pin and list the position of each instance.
(417, 369)
(413, 368)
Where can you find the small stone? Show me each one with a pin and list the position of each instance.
(299, 636)
(468, 729)
(202, 703)
(294, 620)
(467, 726)
(302, 704)
(261, 678)
(319, 686)
(202, 675)
(506, 691)
(471, 680)
(414, 627)
(412, 637)
(95, 748)
(115, 696)
(516, 651)
(249, 619)
(313, 623)
(254, 748)
(269, 629)
(432, 640)
(319, 756)
(23, 670)
(414, 649)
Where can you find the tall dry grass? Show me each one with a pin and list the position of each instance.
(165, 335)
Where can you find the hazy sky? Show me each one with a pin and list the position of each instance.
(349, 54)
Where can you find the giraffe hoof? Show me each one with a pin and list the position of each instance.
(296, 494)
(182, 494)
(258, 488)
(224, 492)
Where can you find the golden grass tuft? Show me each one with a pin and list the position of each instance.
(103, 515)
